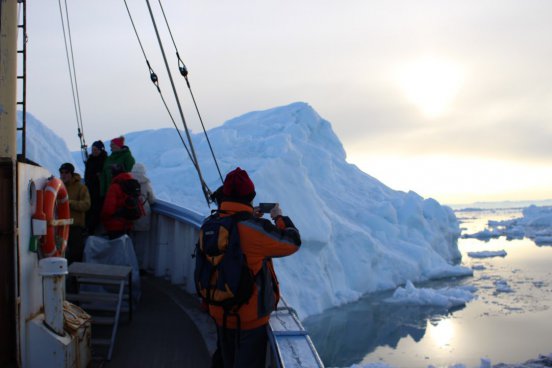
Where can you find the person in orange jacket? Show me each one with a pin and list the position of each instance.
(114, 223)
(243, 340)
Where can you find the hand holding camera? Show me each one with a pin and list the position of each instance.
(272, 208)
(275, 211)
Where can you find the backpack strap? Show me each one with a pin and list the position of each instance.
(241, 216)
(237, 333)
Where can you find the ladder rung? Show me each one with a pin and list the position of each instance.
(101, 342)
(20, 51)
(87, 280)
(20, 103)
(20, 25)
(104, 307)
(20, 77)
(103, 320)
(20, 128)
(93, 297)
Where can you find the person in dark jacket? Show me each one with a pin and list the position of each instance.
(113, 221)
(92, 172)
(243, 340)
(121, 155)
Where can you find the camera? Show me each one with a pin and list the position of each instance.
(266, 207)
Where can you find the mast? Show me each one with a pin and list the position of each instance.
(8, 79)
(8, 191)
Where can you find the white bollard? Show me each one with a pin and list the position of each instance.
(53, 271)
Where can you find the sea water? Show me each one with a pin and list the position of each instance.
(505, 327)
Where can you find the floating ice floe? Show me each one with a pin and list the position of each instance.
(445, 297)
(478, 267)
(543, 240)
(372, 365)
(502, 286)
(542, 361)
(535, 224)
(488, 253)
(484, 234)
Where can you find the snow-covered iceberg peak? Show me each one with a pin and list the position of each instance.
(295, 124)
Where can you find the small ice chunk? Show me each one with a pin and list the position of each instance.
(488, 253)
(502, 286)
(445, 297)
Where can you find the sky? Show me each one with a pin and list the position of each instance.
(452, 100)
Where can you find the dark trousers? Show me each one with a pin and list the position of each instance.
(75, 245)
(247, 352)
(74, 253)
(93, 214)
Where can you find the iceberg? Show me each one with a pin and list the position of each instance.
(359, 235)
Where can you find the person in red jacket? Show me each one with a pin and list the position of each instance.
(243, 340)
(115, 224)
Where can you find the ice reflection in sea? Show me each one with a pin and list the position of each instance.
(502, 326)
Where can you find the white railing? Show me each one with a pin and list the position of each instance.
(172, 240)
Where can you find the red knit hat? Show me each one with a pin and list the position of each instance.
(238, 185)
(119, 142)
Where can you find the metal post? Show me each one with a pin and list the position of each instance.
(9, 346)
(8, 78)
(53, 271)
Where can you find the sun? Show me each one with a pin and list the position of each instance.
(431, 84)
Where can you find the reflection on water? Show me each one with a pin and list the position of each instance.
(442, 333)
(345, 335)
(504, 327)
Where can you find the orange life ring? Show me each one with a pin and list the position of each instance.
(56, 199)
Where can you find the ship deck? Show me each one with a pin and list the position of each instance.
(168, 329)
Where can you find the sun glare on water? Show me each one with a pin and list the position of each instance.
(442, 333)
(431, 84)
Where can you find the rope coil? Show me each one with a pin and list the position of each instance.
(74, 317)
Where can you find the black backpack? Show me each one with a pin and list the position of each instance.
(133, 207)
(222, 276)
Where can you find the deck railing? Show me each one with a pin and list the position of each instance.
(172, 240)
(173, 236)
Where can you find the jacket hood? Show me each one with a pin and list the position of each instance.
(102, 155)
(139, 173)
(122, 177)
(232, 207)
(76, 178)
(123, 151)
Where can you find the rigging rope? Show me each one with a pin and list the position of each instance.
(191, 152)
(155, 81)
(206, 192)
(73, 78)
(184, 72)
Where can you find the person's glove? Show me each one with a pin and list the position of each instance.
(275, 211)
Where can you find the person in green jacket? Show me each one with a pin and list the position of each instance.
(120, 154)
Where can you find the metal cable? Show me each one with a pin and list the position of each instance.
(155, 80)
(206, 192)
(72, 80)
(136, 32)
(84, 151)
(184, 73)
